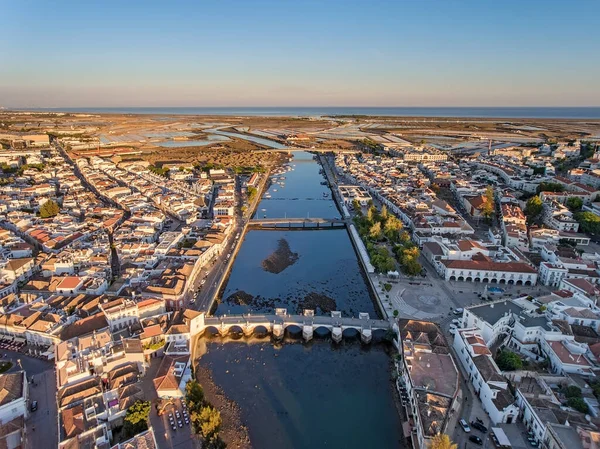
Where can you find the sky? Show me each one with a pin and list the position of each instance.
(130, 53)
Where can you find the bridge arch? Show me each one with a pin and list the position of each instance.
(293, 330)
(211, 330)
(260, 331)
(351, 332)
(321, 331)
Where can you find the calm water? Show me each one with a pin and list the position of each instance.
(486, 112)
(295, 395)
(300, 194)
(327, 265)
(309, 396)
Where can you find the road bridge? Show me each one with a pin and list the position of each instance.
(309, 322)
(303, 223)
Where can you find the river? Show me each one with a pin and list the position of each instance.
(296, 395)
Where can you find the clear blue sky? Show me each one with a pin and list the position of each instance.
(299, 53)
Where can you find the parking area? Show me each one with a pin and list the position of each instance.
(172, 426)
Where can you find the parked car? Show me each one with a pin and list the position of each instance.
(478, 426)
(456, 321)
(458, 311)
(34, 406)
(464, 425)
(475, 439)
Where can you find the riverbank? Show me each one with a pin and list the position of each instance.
(233, 431)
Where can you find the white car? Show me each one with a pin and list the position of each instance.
(203, 281)
(452, 329)
(456, 322)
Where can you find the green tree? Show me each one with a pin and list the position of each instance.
(49, 209)
(442, 441)
(251, 193)
(136, 418)
(574, 203)
(550, 187)
(533, 208)
(356, 206)
(578, 404)
(572, 391)
(508, 361)
(589, 222)
(194, 395)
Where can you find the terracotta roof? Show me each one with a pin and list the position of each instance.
(11, 387)
(70, 282)
(514, 267)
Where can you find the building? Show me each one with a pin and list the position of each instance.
(489, 383)
(428, 379)
(14, 395)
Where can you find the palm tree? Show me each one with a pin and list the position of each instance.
(442, 441)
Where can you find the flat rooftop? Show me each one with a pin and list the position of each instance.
(492, 312)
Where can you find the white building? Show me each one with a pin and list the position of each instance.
(489, 383)
(13, 400)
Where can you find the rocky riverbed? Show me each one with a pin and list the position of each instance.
(281, 258)
(233, 431)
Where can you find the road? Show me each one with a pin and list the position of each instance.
(43, 390)
(213, 275)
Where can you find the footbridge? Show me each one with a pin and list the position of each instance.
(304, 223)
(277, 324)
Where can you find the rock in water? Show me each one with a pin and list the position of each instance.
(281, 258)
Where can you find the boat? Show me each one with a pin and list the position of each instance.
(274, 190)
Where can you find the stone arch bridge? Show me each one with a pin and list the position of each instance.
(277, 324)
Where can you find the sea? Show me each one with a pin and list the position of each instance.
(458, 112)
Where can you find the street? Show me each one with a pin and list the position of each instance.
(42, 430)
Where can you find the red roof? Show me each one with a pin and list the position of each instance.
(70, 282)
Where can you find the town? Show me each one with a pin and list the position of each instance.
(118, 237)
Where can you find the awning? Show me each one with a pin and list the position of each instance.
(501, 436)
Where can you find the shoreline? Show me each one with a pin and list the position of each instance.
(233, 430)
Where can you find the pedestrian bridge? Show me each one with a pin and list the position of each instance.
(304, 223)
(277, 324)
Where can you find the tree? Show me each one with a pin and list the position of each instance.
(384, 213)
(194, 395)
(533, 208)
(550, 187)
(371, 214)
(356, 206)
(442, 441)
(589, 222)
(572, 391)
(251, 193)
(49, 209)
(578, 404)
(136, 418)
(508, 361)
(487, 209)
(375, 231)
(210, 422)
(574, 203)
(392, 227)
